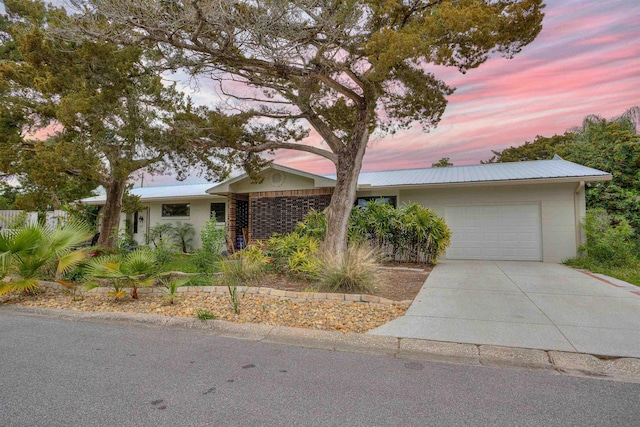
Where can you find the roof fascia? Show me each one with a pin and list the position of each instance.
(528, 181)
(318, 180)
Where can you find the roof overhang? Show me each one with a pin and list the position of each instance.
(318, 180)
(527, 181)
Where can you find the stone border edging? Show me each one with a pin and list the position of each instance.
(576, 364)
(222, 290)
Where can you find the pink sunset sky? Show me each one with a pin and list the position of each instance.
(586, 60)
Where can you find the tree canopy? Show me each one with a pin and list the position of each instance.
(442, 163)
(105, 105)
(343, 69)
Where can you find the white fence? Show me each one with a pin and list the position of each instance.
(11, 218)
(56, 218)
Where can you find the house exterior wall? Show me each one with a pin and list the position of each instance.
(273, 180)
(200, 211)
(557, 203)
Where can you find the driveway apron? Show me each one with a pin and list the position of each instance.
(522, 304)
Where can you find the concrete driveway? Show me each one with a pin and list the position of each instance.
(522, 304)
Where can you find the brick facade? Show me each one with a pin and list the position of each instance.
(279, 211)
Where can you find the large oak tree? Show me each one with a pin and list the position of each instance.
(343, 68)
(105, 105)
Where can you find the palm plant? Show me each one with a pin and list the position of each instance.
(137, 268)
(172, 287)
(183, 233)
(25, 253)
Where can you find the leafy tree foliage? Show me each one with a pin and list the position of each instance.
(345, 69)
(612, 146)
(609, 145)
(442, 163)
(105, 105)
(541, 148)
(8, 196)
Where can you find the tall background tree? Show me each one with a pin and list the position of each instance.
(104, 105)
(610, 145)
(344, 69)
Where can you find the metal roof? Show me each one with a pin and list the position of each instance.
(492, 172)
(161, 192)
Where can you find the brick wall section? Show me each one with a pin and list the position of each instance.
(279, 211)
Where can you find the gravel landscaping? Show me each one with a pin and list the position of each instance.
(396, 288)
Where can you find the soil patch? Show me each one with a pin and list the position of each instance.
(397, 284)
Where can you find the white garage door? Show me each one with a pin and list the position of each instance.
(495, 232)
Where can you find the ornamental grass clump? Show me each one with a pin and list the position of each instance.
(354, 272)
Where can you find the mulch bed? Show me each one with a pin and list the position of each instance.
(397, 284)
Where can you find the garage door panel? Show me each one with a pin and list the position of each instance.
(495, 232)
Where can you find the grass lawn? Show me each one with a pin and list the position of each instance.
(181, 262)
(629, 273)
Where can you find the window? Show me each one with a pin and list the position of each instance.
(183, 209)
(218, 212)
(390, 200)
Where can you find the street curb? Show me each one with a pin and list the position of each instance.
(575, 364)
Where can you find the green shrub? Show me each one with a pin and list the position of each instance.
(354, 273)
(214, 240)
(243, 266)
(314, 225)
(164, 250)
(288, 253)
(304, 264)
(410, 233)
(606, 243)
(124, 241)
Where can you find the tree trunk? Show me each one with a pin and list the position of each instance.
(344, 195)
(111, 212)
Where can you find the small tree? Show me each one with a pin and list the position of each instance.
(183, 234)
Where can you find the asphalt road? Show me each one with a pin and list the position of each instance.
(63, 373)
